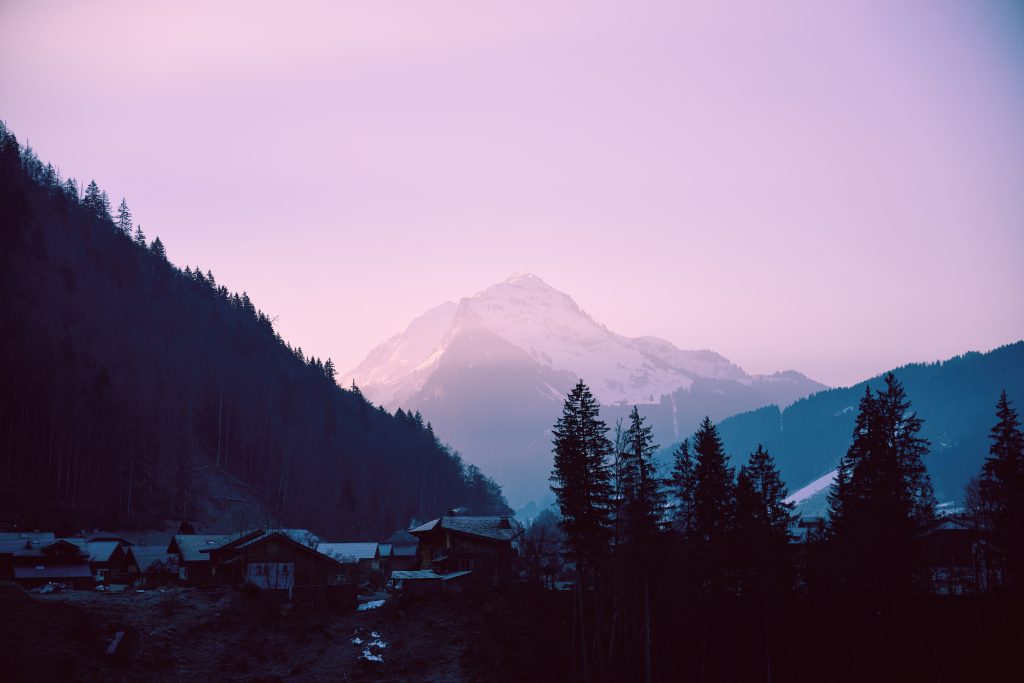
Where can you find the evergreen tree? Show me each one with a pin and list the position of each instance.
(760, 499)
(1002, 490)
(713, 487)
(157, 249)
(682, 485)
(882, 498)
(329, 370)
(124, 218)
(641, 491)
(581, 478)
(140, 237)
(70, 190)
(92, 199)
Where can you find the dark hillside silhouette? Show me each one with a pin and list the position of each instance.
(122, 375)
(953, 397)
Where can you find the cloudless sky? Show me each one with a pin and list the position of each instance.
(834, 187)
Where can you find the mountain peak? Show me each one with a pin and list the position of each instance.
(521, 277)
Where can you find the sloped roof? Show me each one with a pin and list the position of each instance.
(404, 550)
(148, 555)
(36, 538)
(351, 552)
(426, 575)
(190, 545)
(483, 527)
(415, 575)
(402, 537)
(100, 551)
(301, 536)
(77, 570)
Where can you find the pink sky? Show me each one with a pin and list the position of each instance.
(835, 187)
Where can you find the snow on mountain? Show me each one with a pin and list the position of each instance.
(553, 331)
(399, 366)
(491, 372)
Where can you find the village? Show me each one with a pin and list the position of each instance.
(96, 605)
(435, 601)
(445, 555)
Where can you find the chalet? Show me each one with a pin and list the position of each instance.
(487, 546)
(423, 582)
(357, 561)
(194, 566)
(958, 555)
(105, 558)
(47, 560)
(148, 565)
(276, 562)
(399, 552)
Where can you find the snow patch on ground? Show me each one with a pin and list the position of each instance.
(372, 604)
(815, 487)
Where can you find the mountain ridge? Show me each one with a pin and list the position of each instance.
(492, 382)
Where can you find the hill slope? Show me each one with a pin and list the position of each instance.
(123, 379)
(956, 399)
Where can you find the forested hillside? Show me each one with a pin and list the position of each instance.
(955, 398)
(122, 375)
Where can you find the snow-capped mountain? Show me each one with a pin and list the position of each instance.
(491, 372)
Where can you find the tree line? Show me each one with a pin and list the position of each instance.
(707, 573)
(133, 391)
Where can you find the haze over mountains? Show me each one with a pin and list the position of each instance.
(491, 372)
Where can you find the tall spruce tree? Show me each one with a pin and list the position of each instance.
(642, 493)
(157, 249)
(882, 498)
(681, 488)
(581, 478)
(92, 199)
(761, 503)
(1002, 490)
(124, 219)
(713, 488)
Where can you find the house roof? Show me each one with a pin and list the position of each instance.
(415, 575)
(190, 545)
(402, 537)
(77, 570)
(301, 536)
(426, 575)
(100, 551)
(148, 555)
(403, 550)
(493, 528)
(282, 536)
(385, 549)
(348, 552)
(36, 538)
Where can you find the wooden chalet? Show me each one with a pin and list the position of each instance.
(148, 566)
(357, 561)
(276, 562)
(399, 552)
(487, 546)
(105, 558)
(35, 560)
(193, 556)
(959, 556)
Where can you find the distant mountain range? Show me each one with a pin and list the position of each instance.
(956, 399)
(490, 373)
